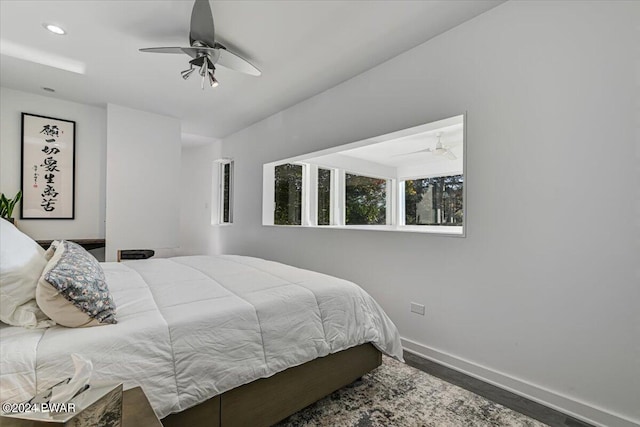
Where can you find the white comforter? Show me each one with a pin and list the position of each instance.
(190, 328)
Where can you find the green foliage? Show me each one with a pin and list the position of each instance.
(226, 200)
(324, 196)
(446, 195)
(428, 201)
(7, 205)
(365, 200)
(288, 195)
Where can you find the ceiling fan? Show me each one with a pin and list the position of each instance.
(439, 150)
(205, 50)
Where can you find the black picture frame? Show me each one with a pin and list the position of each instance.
(47, 167)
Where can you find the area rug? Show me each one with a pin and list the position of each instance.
(396, 394)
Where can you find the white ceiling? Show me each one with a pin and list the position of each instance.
(399, 154)
(301, 47)
(406, 151)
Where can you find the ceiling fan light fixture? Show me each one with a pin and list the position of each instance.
(204, 49)
(212, 80)
(186, 73)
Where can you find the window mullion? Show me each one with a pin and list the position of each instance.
(310, 194)
(400, 208)
(338, 205)
(391, 202)
(332, 196)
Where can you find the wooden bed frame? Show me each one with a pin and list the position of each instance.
(266, 401)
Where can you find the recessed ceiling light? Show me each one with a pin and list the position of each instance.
(48, 89)
(55, 29)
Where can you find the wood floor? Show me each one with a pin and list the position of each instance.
(510, 400)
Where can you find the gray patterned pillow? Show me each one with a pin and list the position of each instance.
(75, 275)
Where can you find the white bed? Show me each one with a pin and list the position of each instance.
(190, 328)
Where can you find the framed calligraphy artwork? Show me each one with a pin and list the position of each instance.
(48, 168)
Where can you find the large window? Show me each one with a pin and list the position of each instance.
(365, 200)
(288, 195)
(411, 180)
(434, 201)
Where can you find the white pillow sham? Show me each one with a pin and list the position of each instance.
(21, 263)
(72, 289)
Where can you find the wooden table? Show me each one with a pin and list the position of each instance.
(88, 244)
(137, 411)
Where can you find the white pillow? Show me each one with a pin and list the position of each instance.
(21, 264)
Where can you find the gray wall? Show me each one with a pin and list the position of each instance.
(542, 294)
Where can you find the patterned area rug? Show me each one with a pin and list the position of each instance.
(396, 394)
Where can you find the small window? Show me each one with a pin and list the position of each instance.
(288, 195)
(324, 196)
(365, 200)
(225, 192)
(434, 201)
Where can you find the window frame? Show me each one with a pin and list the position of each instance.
(305, 191)
(389, 203)
(217, 214)
(401, 199)
(332, 195)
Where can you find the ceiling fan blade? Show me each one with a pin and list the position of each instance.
(203, 44)
(163, 49)
(234, 62)
(195, 51)
(426, 150)
(202, 28)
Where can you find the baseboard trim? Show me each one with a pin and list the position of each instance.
(567, 405)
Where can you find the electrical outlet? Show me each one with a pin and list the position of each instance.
(417, 308)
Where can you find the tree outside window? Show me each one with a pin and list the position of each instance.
(434, 201)
(288, 195)
(365, 200)
(226, 193)
(324, 196)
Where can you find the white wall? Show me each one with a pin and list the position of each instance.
(91, 141)
(542, 295)
(91, 164)
(143, 180)
(196, 198)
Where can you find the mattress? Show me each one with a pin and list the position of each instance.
(190, 328)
